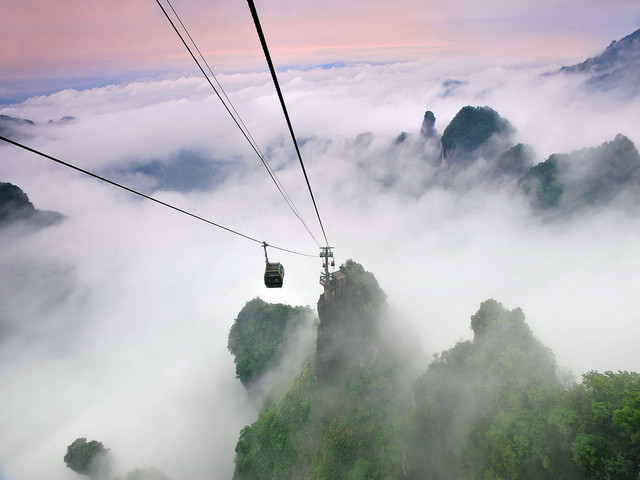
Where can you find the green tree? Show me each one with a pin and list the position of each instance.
(88, 458)
(487, 409)
(274, 446)
(258, 336)
(607, 444)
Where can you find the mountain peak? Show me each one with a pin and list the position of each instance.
(616, 68)
(477, 131)
(349, 323)
(15, 205)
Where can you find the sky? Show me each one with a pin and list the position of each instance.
(47, 45)
(115, 321)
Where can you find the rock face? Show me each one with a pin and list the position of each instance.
(348, 331)
(474, 132)
(617, 68)
(428, 130)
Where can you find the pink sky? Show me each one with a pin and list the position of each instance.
(43, 39)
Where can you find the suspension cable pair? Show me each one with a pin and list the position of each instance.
(241, 125)
(234, 113)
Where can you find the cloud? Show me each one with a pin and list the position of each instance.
(115, 321)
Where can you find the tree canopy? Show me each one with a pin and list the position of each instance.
(258, 336)
(88, 458)
(492, 408)
(607, 441)
(484, 408)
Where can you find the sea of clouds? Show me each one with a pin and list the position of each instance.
(114, 322)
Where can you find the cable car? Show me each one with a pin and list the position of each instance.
(274, 275)
(274, 272)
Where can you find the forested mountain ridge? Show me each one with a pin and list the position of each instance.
(15, 127)
(495, 407)
(498, 408)
(585, 178)
(343, 415)
(486, 408)
(478, 150)
(616, 69)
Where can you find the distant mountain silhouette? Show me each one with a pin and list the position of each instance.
(617, 68)
(6, 119)
(10, 126)
(15, 206)
(186, 171)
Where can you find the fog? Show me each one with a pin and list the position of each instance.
(114, 322)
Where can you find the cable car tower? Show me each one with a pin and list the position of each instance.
(325, 254)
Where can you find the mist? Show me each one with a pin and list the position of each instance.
(114, 322)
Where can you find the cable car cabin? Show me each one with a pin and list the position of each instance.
(274, 275)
